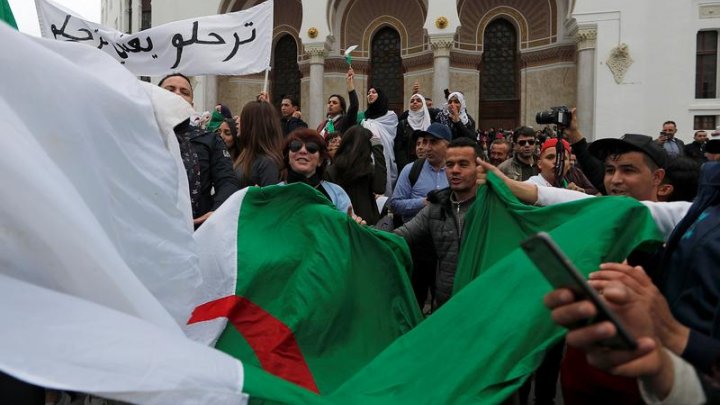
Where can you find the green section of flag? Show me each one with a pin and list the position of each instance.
(348, 59)
(6, 14)
(342, 288)
(481, 345)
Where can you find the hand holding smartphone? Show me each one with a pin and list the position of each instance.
(561, 273)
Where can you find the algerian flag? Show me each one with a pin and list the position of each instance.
(488, 338)
(347, 53)
(298, 288)
(6, 14)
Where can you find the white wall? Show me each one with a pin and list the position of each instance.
(660, 84)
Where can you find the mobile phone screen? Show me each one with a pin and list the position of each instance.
(561, 273)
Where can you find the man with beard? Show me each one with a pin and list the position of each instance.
(443, 218)
(522, 165)
(499, 151)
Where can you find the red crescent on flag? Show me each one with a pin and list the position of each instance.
(272, 341)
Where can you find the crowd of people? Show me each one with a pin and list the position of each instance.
(417, 173)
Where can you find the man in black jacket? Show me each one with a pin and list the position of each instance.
(291, 115)
(443, 218)
(205, 157)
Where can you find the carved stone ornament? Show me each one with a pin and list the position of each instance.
(619, 62)
(441, 23)
(586, 38)
(312, 32)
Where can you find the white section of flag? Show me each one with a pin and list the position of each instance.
(217, 249)
(236, 43)
(98, 264)
(55, 340)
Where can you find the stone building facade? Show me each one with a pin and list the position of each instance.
(627, 66)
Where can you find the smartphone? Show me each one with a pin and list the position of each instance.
(561, 273)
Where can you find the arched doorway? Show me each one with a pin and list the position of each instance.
(499, 77)
(386, 66)
(285, 71)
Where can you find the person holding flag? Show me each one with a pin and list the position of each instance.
(339, 117)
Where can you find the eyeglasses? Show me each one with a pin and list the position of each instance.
(524, 142)
(310, 147)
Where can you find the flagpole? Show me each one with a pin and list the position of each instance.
(265, 83)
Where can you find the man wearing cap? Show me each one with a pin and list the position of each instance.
(546, 165)
(409, 197)
(522, 165)
(443, 218)
(712, 149)
(673, 146)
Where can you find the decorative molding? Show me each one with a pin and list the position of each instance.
(709, 11)
(441, 45)
(418, 61)
(586, 38)
(441, 23)
(619, 62)
(465, 60)
(547, 56)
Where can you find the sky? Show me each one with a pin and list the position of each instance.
(26, 15)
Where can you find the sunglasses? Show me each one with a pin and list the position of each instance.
(524, 142)
(310, 147)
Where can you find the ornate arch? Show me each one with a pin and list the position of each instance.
(380, 23)
(536, 21)
(512, 15)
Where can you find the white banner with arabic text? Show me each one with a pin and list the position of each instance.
(236, 43)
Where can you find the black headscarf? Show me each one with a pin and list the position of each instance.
(379, 107)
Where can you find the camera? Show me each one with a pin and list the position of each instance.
(556, 115)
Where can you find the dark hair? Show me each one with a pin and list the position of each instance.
(698, 131)
(353, 158)
(235, 148)
(670, 122)
(378, 108)
(464, 142)
(524, 131)
(343, 104)
(683, 174)
(175, 75)
(260, 134)
(293, 100)
(307, 135)
(501, 141)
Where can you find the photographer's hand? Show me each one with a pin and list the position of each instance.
(573, 131)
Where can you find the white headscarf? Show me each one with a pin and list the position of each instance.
(420, 119)
(463, 113)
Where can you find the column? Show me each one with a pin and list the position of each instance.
(586, 38)
(441, 66)
(316, 110)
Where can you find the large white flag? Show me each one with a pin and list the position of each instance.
(236, 43)
(97, 257)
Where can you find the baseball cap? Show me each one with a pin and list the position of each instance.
(552, 142)
(630, 142)
(435, 130)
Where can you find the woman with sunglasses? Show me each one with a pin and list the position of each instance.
(306, 157)
(354, 170)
